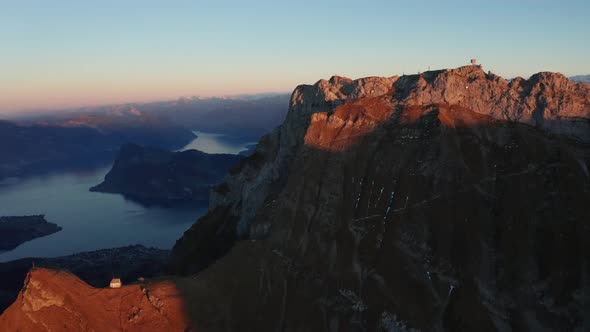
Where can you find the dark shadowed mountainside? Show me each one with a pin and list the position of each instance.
(157, 176)
(15, 230)
(80, 141)
(452, 200)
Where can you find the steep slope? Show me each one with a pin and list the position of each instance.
(58, 301)
(451, 200)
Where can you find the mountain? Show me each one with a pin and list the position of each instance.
(34, 147)
(581, 78)
(53, 300)
(245, 118)
(152, 175)
(452, 200)
(95, 268)
(87, 137)
(15, 230)
(126, 125)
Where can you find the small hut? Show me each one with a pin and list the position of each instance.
(116, 283)
(473, 62)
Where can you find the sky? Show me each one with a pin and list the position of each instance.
(70, 53)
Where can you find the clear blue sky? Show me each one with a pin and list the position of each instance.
(76, 52)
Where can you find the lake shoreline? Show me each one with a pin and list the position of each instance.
(16, 230)
(93, 220)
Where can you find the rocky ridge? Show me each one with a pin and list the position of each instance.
(52, 300)
(15, 230)
(399, 204)
(546, 100)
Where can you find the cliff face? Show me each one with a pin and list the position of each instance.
(57, 301)
(451, 200)
(547, 101)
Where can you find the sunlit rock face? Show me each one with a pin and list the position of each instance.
(338, 111)
(58, 301)
(451, 200)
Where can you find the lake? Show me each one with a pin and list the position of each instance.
(93, 220)
(216, 143)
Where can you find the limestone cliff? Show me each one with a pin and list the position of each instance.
(451, 200)
(546, 100)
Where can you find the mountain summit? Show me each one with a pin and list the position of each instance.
(450, 200)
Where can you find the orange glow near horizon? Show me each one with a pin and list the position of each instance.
(65, 54)
(29, 96)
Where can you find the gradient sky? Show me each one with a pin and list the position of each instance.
(68, 53)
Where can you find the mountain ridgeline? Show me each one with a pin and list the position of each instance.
(453, 200)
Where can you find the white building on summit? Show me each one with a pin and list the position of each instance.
(116, 283)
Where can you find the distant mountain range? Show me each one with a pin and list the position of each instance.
(581, 78)
(452, 200)
(36, 143)
(245, 116)
(80, 141)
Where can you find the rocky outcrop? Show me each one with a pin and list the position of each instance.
(152, 175)
(94, 267)
(52, 300)
(16, 230)
(80, 142)
(451, 200)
